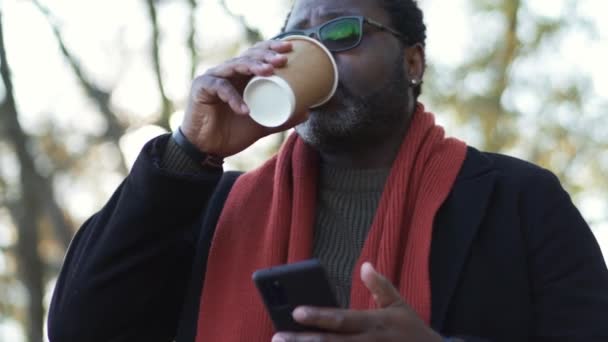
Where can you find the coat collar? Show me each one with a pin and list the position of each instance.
(456, 225)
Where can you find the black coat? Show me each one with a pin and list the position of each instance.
(511, 258)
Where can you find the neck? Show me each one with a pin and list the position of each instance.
(376, 154)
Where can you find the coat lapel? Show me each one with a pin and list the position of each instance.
(456, 225)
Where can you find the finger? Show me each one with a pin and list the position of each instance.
(276, 60)
(383, 291)
(281, 46)
(336, 320)
(266, 56)
(277, 46)
(259, 60)
(315, 337)
(265, 44)
(228, 94)
(219, 88)
(243, 66)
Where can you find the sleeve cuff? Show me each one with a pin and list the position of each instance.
(174, 159)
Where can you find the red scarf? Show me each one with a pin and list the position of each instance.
(268, 220)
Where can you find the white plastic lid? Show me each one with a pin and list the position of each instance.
(271, 100)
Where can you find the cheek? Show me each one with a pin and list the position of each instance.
(364, 70)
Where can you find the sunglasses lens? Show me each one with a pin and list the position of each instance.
(341, 34)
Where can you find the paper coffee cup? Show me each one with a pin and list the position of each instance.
(309, 80)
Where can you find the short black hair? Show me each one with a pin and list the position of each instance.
(407, 18)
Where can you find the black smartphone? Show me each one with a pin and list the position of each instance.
(284, 288)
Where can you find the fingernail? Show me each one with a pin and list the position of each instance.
(281, 44)
(278, 338)
(300, 314)
(244, 108)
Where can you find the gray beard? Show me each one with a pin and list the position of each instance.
(361, 120)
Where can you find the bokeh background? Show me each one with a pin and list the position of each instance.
(86, 83)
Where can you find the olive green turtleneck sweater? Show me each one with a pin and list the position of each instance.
(346, 205)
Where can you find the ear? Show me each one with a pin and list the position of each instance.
(415, 62)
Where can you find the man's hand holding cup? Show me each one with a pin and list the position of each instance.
(217, 119)
(268, 89)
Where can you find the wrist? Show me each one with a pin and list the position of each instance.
(201, 157)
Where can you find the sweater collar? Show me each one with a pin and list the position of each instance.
(352, 180)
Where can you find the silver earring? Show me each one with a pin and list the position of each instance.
(414, 82)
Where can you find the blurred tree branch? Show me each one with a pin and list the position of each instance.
(192, 38)
(41, 186)
(167, 106)
(31, 205)
(102, 98)
(253, 35)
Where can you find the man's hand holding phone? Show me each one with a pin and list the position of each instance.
(394, 320)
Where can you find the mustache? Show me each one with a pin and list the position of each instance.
(342, 90)
(343, 94)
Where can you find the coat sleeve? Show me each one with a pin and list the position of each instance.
(567, 269)
(126, 270)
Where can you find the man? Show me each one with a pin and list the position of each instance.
(424, 239)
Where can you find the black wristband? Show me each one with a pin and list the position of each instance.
(193, 152)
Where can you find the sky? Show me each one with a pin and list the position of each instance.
(112, 38)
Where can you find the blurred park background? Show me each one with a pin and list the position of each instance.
(86, 83)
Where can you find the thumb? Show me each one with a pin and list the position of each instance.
(384, 293)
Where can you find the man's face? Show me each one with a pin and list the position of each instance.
(372, 97)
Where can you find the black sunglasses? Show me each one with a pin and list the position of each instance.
(341, 34)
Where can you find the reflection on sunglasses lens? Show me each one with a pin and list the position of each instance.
(341, 34)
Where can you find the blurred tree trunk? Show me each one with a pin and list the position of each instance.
(503, 71)
(495, 138)
(192, 38)
(167, 106)
(29, 211)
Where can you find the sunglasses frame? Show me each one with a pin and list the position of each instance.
(315, 32)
